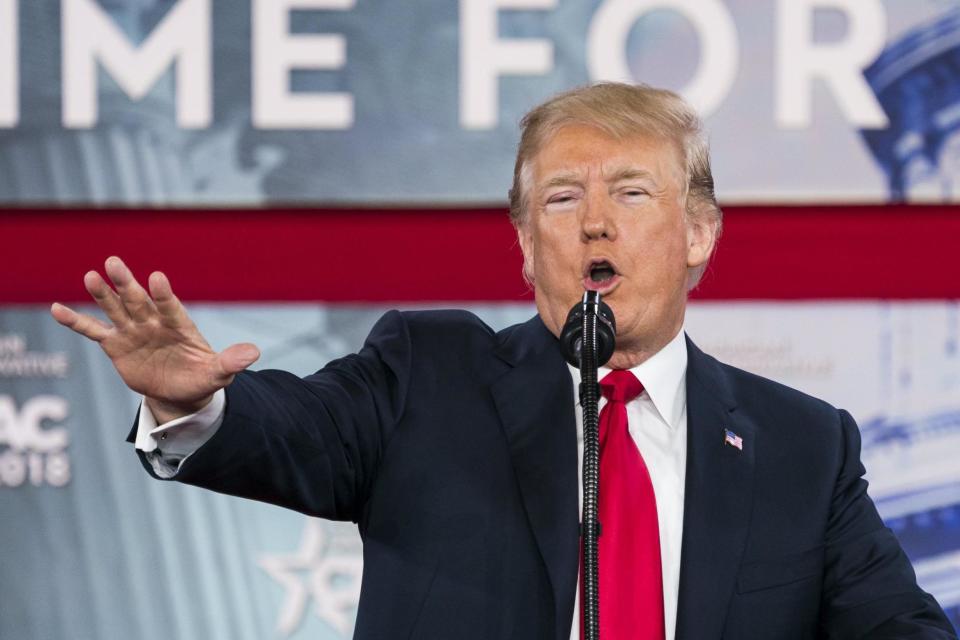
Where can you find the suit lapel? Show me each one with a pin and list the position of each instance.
(535, 402)
(718, 500)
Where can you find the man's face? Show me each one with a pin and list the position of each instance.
(608, 215)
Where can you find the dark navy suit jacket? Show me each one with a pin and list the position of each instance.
(454, 449)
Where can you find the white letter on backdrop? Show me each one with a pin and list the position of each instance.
(719, 54)
(276, 52)
(484, 57)
(839, 64)
(9, 64)
(91, 35)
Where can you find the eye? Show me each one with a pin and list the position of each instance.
(634, 193)
(562, 198)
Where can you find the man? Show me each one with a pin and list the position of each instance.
(736, 507)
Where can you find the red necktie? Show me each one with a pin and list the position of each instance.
(631, 582)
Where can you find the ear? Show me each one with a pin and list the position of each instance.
(701, 239)
(525, 238)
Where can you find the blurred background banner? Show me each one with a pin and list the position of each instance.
(297, 167)
(343, 102)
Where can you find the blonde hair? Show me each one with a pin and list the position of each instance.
(624, 111)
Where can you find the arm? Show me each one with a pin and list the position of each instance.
(310, 444)
(870, 589)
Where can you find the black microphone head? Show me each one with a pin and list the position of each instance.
(571, 337)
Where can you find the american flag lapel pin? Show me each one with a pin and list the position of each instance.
(732, 439)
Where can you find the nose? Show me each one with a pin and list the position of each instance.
(596, 218)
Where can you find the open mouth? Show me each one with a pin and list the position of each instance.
(600, 274)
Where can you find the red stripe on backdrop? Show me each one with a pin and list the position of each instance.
(820, 252)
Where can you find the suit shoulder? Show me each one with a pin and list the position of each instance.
(446, 321)
(443, 330)
(799, 421)
(752, 390)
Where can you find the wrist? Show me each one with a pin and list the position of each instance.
(165, 412)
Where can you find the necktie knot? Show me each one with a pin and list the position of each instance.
(621, 386)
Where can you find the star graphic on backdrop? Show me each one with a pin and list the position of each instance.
(330, 578)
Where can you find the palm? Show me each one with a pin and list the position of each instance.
(162, 362)
(152, 342)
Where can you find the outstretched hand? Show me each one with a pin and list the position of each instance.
(154, 345)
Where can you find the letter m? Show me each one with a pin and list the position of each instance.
(90, 36)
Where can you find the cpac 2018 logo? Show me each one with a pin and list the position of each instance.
(33, 450)
(34, 454)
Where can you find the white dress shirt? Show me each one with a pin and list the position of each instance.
(167, 445)
(658, 425)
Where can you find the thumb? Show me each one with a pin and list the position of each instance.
(238, 357)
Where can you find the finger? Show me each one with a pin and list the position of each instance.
(134, 298)
(106, 298)
(236, 358)
(83, 324)
(171, 310)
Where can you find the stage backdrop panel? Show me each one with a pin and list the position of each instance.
(338, 101)
(94, 548)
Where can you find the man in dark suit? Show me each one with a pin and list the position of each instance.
(455, 448)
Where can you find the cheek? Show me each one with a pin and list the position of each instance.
(659, 260)
(554, 253)
(663, 244)
(675, 239)
(551, 275)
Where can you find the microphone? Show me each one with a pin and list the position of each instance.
(587, 342)
(571, 337)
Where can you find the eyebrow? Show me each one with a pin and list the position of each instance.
(562, 180)
(653, 185)
(630, 173)
(627, 173)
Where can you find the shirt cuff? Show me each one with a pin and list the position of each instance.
(169, 444)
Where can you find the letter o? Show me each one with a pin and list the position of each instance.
(719, 54)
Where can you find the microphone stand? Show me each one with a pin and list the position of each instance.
(590, 528)
(587, 342)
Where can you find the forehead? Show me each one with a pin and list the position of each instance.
(589, 151)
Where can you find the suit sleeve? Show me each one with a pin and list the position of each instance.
(310, 444)
(870, 589)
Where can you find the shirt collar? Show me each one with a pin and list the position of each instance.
(663, 376)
